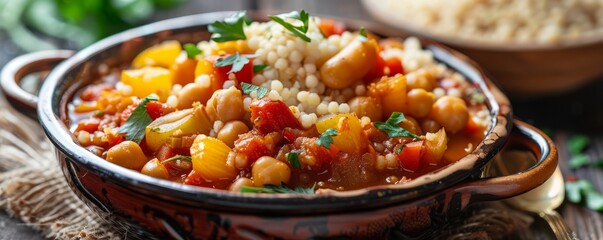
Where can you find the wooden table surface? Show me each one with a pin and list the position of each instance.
(579, 111)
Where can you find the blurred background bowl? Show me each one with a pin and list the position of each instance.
(525, 69)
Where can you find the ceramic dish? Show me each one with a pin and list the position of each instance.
(147, 207)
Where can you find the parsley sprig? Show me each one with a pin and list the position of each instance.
(299, 31)
(362, 35)
(575, 191)
(293, 158)
(192, 50)
(249, 88)
(237, 61)
(392, 128)
(326, 138)
(268, 188)
(258, 68)
(230, 29)
(137, 122)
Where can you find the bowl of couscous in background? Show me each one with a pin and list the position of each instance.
(532, 48)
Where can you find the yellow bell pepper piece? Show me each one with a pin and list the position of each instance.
(185, 122)
(349, 132)
(209, 156)
(161, 55)
(148, 80)
(204, 66)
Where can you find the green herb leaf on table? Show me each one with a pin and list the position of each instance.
(135, 126)
(578, 143)
(392, 128)
(293, 158)
(575, 190)
(192, 50)
(178, 157)
(230, 29)
(249, 88)
(236, 60)
(299, 31)
(362, 35)
(578, 161)
(279, 189)
(259, 68)
(326, 138)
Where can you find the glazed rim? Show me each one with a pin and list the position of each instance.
(49, 108)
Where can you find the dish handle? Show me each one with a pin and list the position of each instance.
(523, 137)
(17, 69)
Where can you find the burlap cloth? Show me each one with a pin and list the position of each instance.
(33, 189)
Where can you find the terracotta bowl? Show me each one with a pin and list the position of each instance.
(524, 70)
(147, 207)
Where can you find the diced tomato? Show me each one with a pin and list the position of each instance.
(376, 72)
(113, 138)
(394, 65)
(123, 117)
(194, 178)
(220, 74)
(330, 27)
(290, 136)
(272, 116)
(410, 156)
(89, 125)
(165, 152)
(154, 109)
(93, 92)
(253, 147)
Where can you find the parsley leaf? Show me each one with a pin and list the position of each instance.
(268, 188)
(299, 31)
(178, 157)
(326, 138)
(578, 143)
(230, 29)
(259, 68)
(293, 158)
(192, 50)
(249, 88)
(399, 150)
(575, 190)
(578, 161)
(236, 60)
(392, 128)
(138, 121)
(362, 35)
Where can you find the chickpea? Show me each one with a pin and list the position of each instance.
(155, 168)
(231, 131)
(193, 92)
(411, 125)
(421, 79)
(269, 170)
(419, 102)
(127, 154)
(226, 105)
(430, 126)
(366, 106)
(450, 112)
(240, 183)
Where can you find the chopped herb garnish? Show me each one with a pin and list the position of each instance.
(578, 161)
(299, 31)
(362, 35)
(575, 190)
(399, 150)
(230, 29)
(477, 97)
(268, 188)
(178, 157)
(137, 122)
(192, 50)
(259, 68)
(326, 138)
(157, 129)
(578, 143)
(249, 88)
(236, 60)
(392, 128)
(293, 158)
